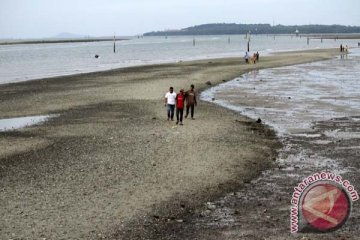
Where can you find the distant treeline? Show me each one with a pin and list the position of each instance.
(233, 28)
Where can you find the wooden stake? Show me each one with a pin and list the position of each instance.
(114, 44)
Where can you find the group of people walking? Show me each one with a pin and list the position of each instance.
(253, 59)
(177, 101)
(343, 48)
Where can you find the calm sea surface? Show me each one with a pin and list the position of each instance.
(34, 61)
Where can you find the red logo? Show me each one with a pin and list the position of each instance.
(325, 206)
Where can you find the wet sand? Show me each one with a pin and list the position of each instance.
(261, 208)
(111, 166)
(319, 132)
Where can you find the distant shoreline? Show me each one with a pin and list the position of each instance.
(311, 36)
(332, 36)
(62, 41)
(233, 28)
(304, 35)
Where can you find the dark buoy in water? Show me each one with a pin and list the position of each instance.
(96, 56)
(258, 121)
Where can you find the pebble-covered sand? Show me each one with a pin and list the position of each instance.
(110, 165)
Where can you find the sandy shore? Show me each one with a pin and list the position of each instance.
(312, 142)
(111, 164)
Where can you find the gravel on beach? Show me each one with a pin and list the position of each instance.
(111, 165)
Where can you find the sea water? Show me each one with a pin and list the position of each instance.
(33, 61)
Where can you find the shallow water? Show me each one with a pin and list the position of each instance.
(21, 122)
(315, 111)
(291, 98)
(32, 61)
(313, 107)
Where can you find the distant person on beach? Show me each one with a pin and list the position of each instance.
(191, 102)
(180, 102)
(254, 58)
(170, 103)
(341, 48)
(257, 56)
(246, 57)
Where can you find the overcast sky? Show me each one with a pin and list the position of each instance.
(46, 18)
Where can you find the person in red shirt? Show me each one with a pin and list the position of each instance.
(180, 100)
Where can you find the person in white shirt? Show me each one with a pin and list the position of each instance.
(246, 57)
(170, 103)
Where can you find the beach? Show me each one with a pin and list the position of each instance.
(110, 166)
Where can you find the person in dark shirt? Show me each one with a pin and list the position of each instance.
(190, 101)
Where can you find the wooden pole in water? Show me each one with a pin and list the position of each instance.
(114, 44)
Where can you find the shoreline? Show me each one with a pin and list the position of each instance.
(319, 146)
(298, 56)
(161, 63)
(107, 155)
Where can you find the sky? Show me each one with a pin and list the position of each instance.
(47, 18)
